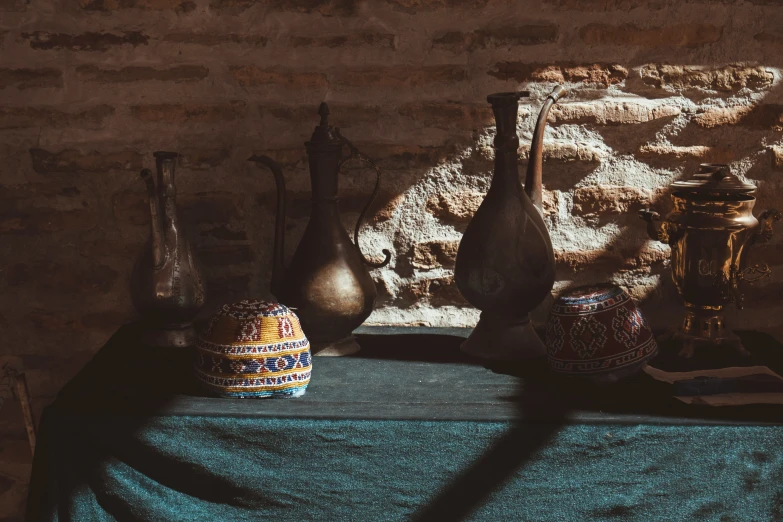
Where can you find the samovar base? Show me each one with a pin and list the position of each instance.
(344, 346)
(691, 342)
(706, 327)
(503, 338)
(174, 337)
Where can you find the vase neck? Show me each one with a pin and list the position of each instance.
(506, 143)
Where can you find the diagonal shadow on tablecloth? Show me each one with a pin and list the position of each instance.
(497, 465)
(511, 451)
(100, 432)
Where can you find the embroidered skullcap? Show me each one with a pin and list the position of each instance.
(253, 349)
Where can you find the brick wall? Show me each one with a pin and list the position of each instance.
(91, 87)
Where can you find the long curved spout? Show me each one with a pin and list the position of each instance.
(156, 226)
(533, 183)
(278, 266)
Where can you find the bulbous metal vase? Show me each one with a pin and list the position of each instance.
(327, 282)
(505, 265)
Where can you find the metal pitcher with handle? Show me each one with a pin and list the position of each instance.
(327, 281)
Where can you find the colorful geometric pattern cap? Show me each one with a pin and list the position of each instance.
(253, 349)
(598, 330)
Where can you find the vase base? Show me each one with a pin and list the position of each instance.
(502, 338)
(170, 337)
(344, 346)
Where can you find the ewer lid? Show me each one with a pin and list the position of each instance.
(713, 179)
(325, 134)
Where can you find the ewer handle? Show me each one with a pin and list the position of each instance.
(356, 154)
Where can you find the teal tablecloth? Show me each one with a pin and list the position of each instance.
(408, 429)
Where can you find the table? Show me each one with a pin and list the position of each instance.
(409, 428)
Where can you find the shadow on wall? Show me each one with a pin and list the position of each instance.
(605, 159)
(613, 144)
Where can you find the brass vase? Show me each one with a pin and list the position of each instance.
(709, 230)
(505, 265)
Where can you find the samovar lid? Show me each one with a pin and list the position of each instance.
(713, 179)
(324, 134)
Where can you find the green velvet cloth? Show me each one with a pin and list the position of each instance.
(389, 437)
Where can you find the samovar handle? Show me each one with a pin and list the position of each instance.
(356, 154)
(656, 228)
(729, 286)
(766, 220)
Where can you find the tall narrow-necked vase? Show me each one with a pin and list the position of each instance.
(505, 265)
(166, 285)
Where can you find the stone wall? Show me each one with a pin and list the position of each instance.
(91, 87)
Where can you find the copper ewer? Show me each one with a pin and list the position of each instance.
(709, 229)
(327, 282)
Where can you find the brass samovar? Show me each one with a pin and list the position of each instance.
(708, 231)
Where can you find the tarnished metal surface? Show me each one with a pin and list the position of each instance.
(166, 285)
